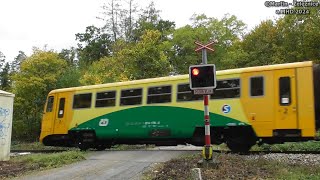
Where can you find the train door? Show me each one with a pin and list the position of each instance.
(60, 114)
(48, 116)
(285, 99)
(257, 97)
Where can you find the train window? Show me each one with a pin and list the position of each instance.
(185, 94)
(50, 104)
(82, 101)
(131, 97)
(61, 107)
(161, 94)
(285, 91)
(106, 99)
(256, 86)
(228, 88)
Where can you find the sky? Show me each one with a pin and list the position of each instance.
(25, 24)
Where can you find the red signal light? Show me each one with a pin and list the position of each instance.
(195, 71)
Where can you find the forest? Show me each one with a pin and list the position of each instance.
(137, 43)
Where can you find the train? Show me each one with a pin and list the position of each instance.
(254, 105)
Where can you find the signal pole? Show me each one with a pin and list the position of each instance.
(207, 149)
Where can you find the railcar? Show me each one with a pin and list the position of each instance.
(265, 104)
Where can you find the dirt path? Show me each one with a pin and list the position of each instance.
(109, 165)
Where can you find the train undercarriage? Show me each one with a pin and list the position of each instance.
(238, 139)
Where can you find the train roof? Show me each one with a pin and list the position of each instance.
(186, 76)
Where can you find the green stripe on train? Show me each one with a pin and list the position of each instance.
(155, 121)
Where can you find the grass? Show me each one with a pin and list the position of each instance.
(20, 165)
(123, 147)
(290, 146)
(44, 161)
(232, 167)
(15, 145)
(38, 146)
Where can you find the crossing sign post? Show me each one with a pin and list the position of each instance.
(204, 85)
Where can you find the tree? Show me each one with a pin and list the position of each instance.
(261, 44)
(150, 20)
(119, 18)
(299, 37)
(2, 59)
(94, 44)
(112, 13)
(145, 59)
(38, 75)
(15, 64)
(5, 77)
(69, 55)
(106, 70)
(226, 32)
(128, 20)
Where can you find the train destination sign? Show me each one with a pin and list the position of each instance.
(203, 91)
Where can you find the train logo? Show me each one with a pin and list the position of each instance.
(104, 122)
(226, 108)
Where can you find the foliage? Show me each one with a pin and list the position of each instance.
(2, 59)
(260, 45)
(38, 75)
(150, 20)
(70, 56)
(226, 32)
(107, 70)
(5, 82)
(69, 77)
(299, 37)
(15, 64)
(145, 59)
(94, 44)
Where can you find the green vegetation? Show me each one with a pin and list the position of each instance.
(15, 145)
(233, 167)
(290, 146)
(19, 165)
(44, 161)
(134, 44)
(123, 147)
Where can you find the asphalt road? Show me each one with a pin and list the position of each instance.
(112, 165)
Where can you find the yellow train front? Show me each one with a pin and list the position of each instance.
(269, 104)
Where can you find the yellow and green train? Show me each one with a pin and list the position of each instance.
(266, 104)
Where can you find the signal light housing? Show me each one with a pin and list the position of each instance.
(202, 76)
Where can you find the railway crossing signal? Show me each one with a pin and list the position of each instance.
(203, 80)
(202, 76)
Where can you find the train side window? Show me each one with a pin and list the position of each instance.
(285, 91)
(185, 94)
(61, 107)
(160, 94)
(131, 97)
(106, 99)
(227, 88)
(82, 101)
(257, 86)
(50, 104)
